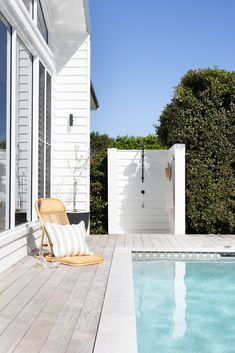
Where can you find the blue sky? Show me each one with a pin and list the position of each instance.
(141, 49)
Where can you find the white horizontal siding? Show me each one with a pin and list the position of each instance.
(123, 183)
(64, 121)
(66, 188)
(64, 163)
(67, 138)
(135, 212)
(80, 205)
(76, 87)
(17, 243)
(66, 147)
(70, 104)
(60, 181)
(74, 62)
(77, 70)
(71, 95)
(78, 129)
(66, 155)
(138, 198)
(143, 218)
(75, 79)
(23, 126)
(67, 172)
(63, 112)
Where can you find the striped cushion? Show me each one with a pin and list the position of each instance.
(68, 240)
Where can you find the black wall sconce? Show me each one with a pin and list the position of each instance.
(71, 119)
(168, 171)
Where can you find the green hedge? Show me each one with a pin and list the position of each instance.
(202, 115)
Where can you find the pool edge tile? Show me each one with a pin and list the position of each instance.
(119, 305)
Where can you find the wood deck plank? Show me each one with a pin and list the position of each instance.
(14, 275)
(21, 297)
(129, 243)
(137, 240)
(58, 310)
(159, 242)
(147, 241)
(37, 334)
(120, 243)
(12, 291)
(83, 338)
(59, 336)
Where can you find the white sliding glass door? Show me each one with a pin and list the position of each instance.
(5, 44)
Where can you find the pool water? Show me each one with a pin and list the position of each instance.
(185, 307)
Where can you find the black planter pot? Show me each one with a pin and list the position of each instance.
(75, 218)
(20, 218)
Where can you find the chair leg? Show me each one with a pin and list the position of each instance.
(42, 239)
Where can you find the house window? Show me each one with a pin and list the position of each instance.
(44, 146)
(5, 44)
(41, 21)
(48, 137)
(29, 6)
(23, 128)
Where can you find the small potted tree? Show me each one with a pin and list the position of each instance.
(80, 164)
(20, 212)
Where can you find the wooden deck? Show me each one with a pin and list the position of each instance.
(58, 310)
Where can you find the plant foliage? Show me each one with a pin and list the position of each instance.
(201, 114)
(99, 198)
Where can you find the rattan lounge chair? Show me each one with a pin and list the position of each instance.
(52, 210)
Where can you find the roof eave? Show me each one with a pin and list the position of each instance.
(94, 101)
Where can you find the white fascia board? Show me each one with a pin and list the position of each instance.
(19, 18)
(87, 14)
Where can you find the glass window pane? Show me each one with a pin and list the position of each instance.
(48, 110)
(48, 170)
(41, 170)
(23, 135)
(4, 118)
(48, 137)
(41, 101)
(41, 117)
(41, 22)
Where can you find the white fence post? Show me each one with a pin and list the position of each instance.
(112, 190)
(179, 188)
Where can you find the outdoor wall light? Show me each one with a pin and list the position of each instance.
(71, 119)
(168, 171)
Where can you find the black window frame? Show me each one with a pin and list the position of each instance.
(44, 133)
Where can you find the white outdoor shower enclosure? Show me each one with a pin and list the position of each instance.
(146, 191)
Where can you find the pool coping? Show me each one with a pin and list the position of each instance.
(117, 326)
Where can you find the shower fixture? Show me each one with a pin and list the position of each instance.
(142, 162)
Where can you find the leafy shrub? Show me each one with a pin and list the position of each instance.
(202, 115)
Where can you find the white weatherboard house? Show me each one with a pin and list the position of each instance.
(45, 102)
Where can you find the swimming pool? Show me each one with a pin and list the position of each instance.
(185, 306)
